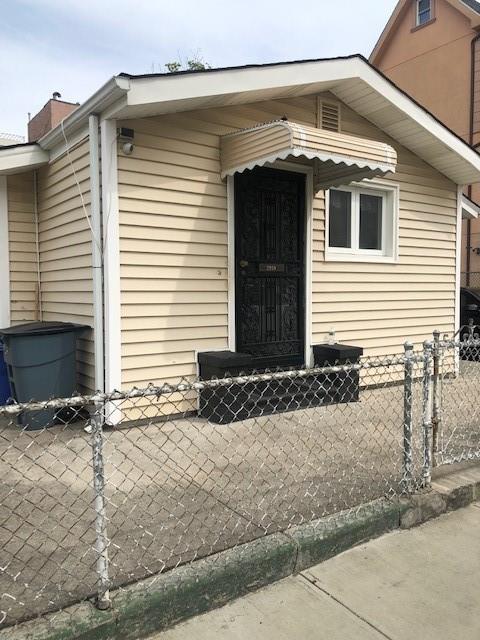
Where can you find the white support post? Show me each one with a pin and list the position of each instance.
(97, 265)
(111, 239)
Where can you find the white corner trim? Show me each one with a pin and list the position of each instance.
(111, 241)
(458, 258)
(231, 261)
(4, 256)
(309, 267)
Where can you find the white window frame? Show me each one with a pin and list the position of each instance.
(390, 222)
(417, 13)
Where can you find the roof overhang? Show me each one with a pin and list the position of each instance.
(470, 10)
(352, 80)
(337, 158)
(470, 210)
(22, 157)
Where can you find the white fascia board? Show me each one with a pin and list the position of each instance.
(187, 91)
(22, 158)
(110, 93)
(470, 210)
(230, 82)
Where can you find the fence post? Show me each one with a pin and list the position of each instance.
(408, 418)
(101, 539)
(436, 417)
(427, 415)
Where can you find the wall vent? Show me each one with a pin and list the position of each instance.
(329, 115)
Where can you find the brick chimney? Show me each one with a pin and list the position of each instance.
(49, 116)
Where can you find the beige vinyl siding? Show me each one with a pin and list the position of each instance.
(66, 250)
(173, 242)
(22, 248)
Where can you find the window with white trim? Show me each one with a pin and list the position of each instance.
(362, 223)
(424, 12)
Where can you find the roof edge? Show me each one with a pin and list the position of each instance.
(189, 72)
(392, 21)
(466, 7)
(104, 97)
(22, 157)
(470, 209)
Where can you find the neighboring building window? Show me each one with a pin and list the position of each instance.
(362, 222)
(424, 11)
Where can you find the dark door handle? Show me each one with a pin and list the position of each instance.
(243, 263)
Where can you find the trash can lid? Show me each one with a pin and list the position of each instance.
(42, 328)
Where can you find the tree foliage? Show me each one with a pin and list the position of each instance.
(196, 63)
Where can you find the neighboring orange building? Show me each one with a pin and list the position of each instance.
(431, 49)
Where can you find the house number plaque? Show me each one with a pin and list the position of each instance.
(271, 268)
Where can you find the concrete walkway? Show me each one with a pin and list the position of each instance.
(422, 583)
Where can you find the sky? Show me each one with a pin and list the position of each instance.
(75, 46)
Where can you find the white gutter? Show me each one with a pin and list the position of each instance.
(111, 92)
(97, 258)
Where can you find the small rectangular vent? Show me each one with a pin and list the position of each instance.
(329, 116)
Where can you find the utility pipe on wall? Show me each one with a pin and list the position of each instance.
(97, 257)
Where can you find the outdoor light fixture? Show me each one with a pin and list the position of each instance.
(126, 136)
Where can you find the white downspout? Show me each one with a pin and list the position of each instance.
(39, 311)
(5, 292)
(97, 258)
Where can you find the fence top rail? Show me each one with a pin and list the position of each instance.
(458, 343)
(165, 389)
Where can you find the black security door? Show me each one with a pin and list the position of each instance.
(269, 257)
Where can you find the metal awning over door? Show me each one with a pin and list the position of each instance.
(337, 158)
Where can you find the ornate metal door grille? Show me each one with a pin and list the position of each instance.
(269, 258)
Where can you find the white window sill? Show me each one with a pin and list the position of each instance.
(331, 256)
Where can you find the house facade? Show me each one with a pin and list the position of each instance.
(253, 210)
(431, 49)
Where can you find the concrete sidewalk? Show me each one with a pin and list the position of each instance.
(422, 583)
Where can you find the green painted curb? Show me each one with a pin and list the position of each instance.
(204, 585)
(322, 539)
(160, 602)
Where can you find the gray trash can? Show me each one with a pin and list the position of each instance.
(41, 364)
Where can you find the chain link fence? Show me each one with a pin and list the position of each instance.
(101, 491)
(470, 279)
(456, 411)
